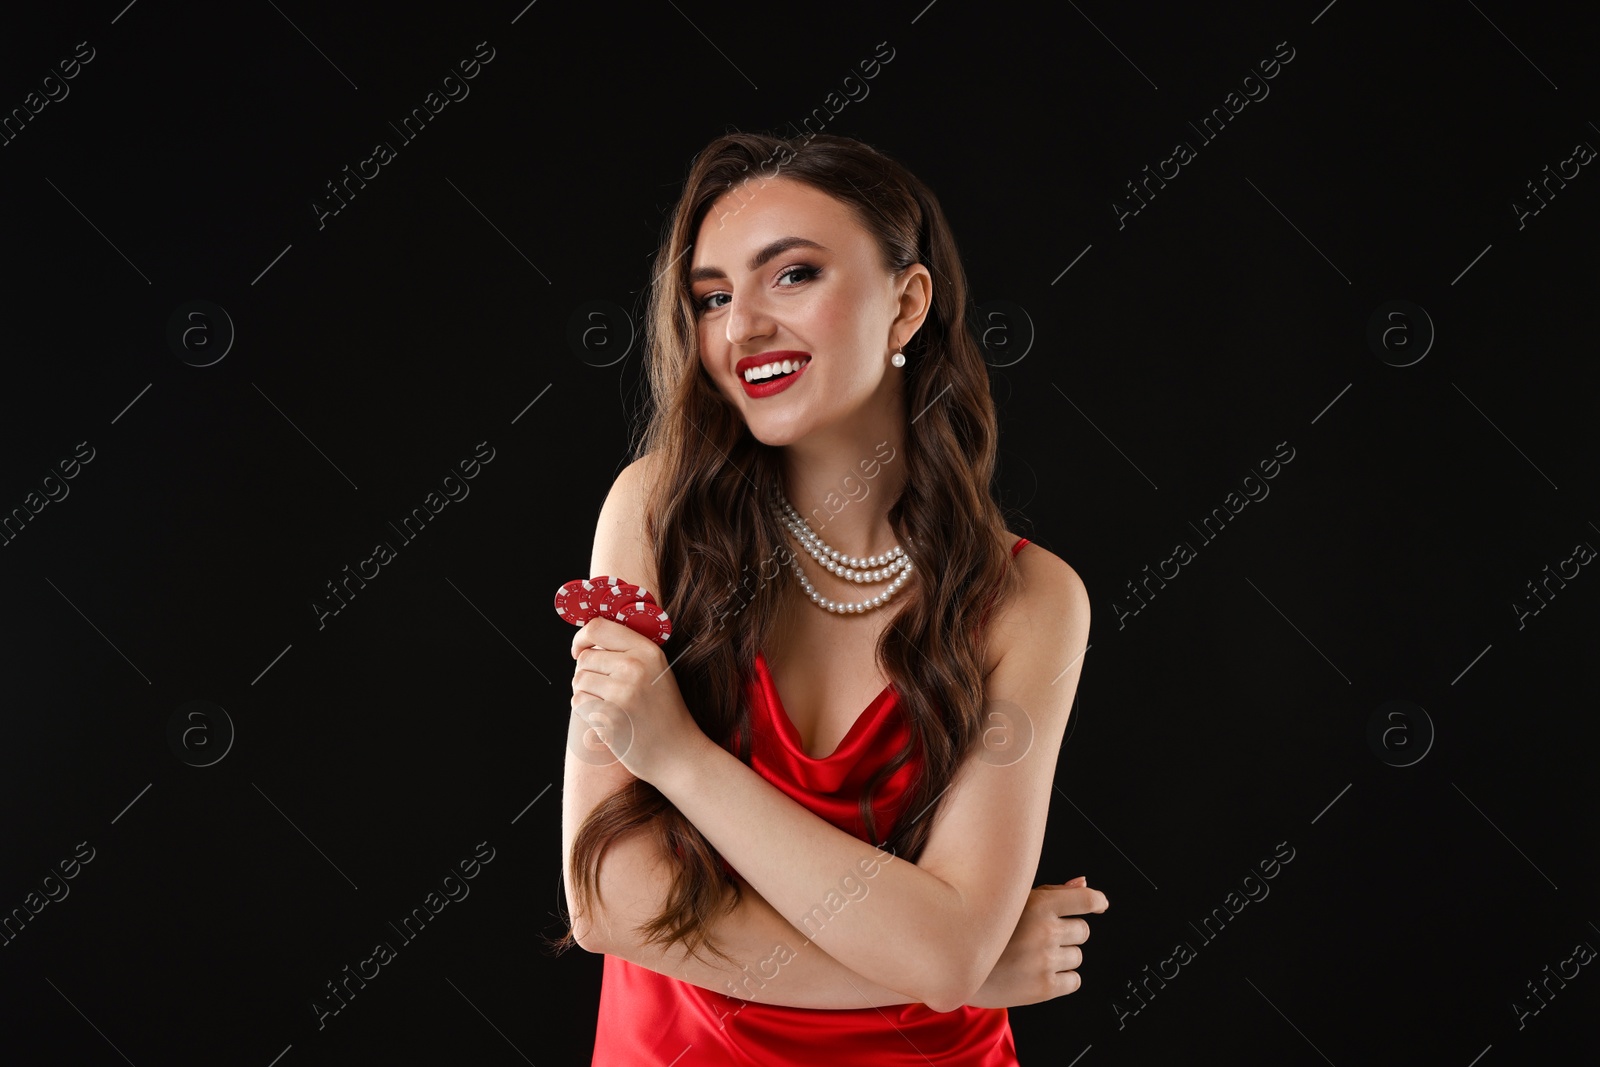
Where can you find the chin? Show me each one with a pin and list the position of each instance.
(773, 435)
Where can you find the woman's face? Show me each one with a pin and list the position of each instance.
(783, 271)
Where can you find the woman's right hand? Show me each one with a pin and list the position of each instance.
(1040, 961)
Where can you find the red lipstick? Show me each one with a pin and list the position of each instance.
(763, 387)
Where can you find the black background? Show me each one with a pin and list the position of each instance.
(1137, 389)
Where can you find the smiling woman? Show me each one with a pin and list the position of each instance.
(839, 723)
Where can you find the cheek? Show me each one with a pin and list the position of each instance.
(839, 320)
(842, 330)
(863, 324)
(707, 365)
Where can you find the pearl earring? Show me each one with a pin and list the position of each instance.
(898, 359)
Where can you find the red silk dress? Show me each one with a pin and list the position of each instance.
(648, 1019)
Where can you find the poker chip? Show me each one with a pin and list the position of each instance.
(647, 619)
(612, 594)
(604, 593)
(583, 599)
(575, 601)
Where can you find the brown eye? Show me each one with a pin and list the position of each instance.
(806, 274)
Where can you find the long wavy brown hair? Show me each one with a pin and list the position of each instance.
(708, 518)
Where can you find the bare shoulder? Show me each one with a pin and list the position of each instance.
(621, 549)
(1050, 607)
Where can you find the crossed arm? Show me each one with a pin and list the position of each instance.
(634, 879)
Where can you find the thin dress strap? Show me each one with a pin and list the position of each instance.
(984, 618)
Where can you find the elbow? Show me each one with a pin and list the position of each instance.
(955, 983)
(581, 921)
(590, 944)
(942, 1003)
(588, 935)
(948, 998)
(588, 918)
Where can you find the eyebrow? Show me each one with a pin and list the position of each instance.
(778, 247)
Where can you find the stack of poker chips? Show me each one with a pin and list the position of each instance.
(583, 599)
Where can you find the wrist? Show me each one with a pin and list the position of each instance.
(687, 767)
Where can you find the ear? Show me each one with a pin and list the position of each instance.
(914, 294)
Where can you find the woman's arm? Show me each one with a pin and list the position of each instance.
(772, 962)
(1039, 963)
(634, 878)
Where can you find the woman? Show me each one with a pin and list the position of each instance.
(788, 878)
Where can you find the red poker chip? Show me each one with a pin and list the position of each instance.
(576, 601)
(647, 619)
(605, 593)
(614, 594)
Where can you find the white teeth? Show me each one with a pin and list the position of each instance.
(786, 366)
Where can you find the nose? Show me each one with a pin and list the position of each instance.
(747, 320)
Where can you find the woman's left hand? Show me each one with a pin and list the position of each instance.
(623, 688)
(1041, 960)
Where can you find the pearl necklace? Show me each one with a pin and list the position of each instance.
(869, 569)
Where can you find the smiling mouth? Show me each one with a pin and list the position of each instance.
(780, 369)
